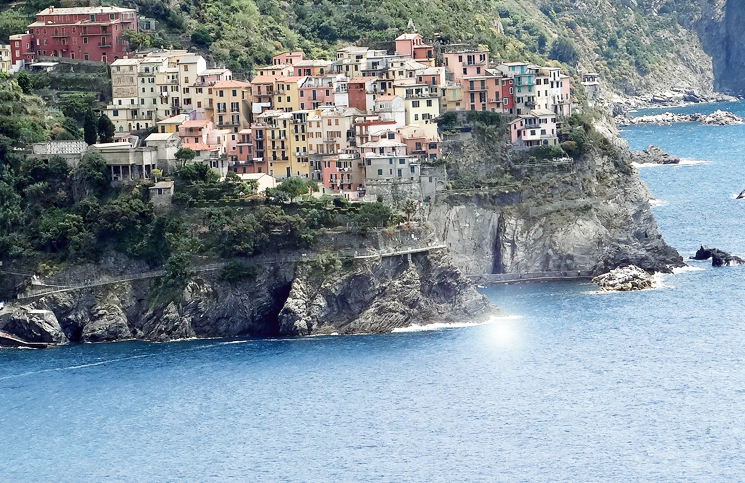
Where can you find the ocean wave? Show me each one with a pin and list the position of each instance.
(687, 268)
(80, 366)
(655, 202)
(453, 325)
(692, 162)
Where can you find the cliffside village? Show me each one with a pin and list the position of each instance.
(360, 124)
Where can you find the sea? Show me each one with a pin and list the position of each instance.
(571, 386)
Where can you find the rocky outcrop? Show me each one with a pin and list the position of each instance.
(371, 295)
(624, 279)
(718, 257)
(32, 325)
(381, 296)
(653, 155)
(591, 216)
(716, 118)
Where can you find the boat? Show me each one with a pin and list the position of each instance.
(9, 340)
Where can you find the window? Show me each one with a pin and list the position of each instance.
(85, 40)
(429, 103)
(401, 161)
(234, 93)
(380, 172)
(414, 103)
(115, 113)
(220, 93)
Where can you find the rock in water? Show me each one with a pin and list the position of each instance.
(33, 325)
(718, 257)
(624, 279)
(703, 253)
(724, 259)
(653, 155)
(741, 195)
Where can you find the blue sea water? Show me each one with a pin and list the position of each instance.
(574, 386)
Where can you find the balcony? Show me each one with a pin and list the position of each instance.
(104, 45)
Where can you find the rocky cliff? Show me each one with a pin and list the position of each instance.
(591, 213)
(367, 295)
(719, 26)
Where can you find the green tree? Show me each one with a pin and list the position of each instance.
(409, 208)
(94, 173)
(63, 232)
(564, 50)
(201, 36)
(89, 130)
(156, 174)
(370, 215)
(196, 173)
(185, 155)
(12, 22)
(24, 82)
(105, 129)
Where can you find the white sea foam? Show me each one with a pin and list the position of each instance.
(656, 202)
(81, 366)
(687, 268)
(454, 325)
(692, 162)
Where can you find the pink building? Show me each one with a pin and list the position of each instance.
(85, 33)
(315, 92)
(287, 58)
(413, 45)
(466, 63)
(482, 93)
(534, 129)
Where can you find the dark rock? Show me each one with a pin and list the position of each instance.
(718, 257)
(741, 195)
(653, 155)
(724, 259)
(32, 325)
(383, 295)
(703, 253)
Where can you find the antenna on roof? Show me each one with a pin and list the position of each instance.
(411, 25)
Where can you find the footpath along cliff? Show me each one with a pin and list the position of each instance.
(503, 211)
(396, 281)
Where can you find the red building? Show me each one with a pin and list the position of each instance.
(85, 33)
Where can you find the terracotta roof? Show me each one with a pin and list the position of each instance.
(231, 83)
(195, 123)
(385, 97)
(200, 147)
(264, 79)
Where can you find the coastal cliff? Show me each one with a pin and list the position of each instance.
(591, 213)
(319, 296)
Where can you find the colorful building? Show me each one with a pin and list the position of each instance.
(85, 33)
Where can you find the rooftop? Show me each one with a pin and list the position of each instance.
(83, 10)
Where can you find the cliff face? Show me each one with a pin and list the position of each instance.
(370, 296)
(719, 26)
(591, 215)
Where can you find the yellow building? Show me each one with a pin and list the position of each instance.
(277, 125)
(171, 125)
(286, 93)
(422, 102)
(299, 145)
(231, 104)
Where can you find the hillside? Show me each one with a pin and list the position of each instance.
(639, 46)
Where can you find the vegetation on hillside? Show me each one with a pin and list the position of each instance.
(624, 40)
